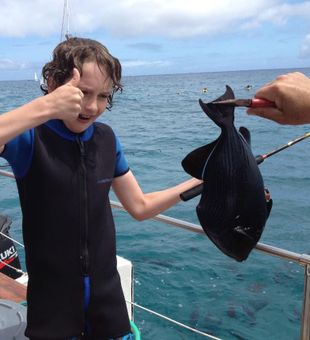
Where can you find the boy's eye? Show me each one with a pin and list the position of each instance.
(100, 96)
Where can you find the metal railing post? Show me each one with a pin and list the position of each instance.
(305, 322)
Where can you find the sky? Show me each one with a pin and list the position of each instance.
(160, 36)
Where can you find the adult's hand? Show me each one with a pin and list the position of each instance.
(291, 93)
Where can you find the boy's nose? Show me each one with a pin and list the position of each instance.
(91, 106)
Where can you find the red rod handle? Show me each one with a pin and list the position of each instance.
(260, 102)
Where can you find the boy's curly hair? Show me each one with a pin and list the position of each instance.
(73, 53)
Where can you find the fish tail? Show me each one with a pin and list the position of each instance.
(222, 115)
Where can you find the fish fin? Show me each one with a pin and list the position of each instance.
(221, 114)
(195, 161)
(245, 134)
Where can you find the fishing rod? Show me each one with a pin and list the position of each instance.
(197, 190)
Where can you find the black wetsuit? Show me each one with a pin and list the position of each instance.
(69, 234)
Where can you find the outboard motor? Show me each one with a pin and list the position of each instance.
(8, 252)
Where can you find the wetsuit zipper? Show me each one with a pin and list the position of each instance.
(84, 255)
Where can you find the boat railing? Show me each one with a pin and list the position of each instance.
(301, 259)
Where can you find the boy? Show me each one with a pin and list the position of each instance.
(65, 164)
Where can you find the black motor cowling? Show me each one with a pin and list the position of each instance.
(8, 254)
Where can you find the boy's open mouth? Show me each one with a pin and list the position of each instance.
(83, 117)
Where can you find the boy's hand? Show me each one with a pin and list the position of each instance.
(66, 100)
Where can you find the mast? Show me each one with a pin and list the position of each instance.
(65, 21)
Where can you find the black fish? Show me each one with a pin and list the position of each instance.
(233, 209)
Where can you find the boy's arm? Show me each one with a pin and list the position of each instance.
(62, 103)
(143, 206)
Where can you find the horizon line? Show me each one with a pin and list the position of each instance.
(196, 72)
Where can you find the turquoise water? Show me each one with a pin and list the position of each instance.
(178, 273)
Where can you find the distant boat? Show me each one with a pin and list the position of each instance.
(36, 78)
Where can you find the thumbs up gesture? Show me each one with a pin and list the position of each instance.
(66, 100)
(75, 80)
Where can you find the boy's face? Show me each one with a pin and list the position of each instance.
(96, 87)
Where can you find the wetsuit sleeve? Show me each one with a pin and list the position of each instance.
(121, 166)
(18, 152)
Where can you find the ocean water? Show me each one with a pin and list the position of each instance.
(177, 273)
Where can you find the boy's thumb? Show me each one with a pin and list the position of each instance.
(74, 81)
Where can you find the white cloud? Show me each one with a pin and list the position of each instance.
(131, 18)
(8, 64)
(20, 18)
(305, 48)
(139, 63)
(279, 14)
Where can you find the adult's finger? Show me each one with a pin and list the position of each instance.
(268, 113)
